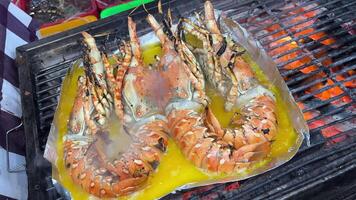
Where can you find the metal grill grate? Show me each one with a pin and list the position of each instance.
(327, 22)
(317, 167)
(326, 94)
(48, 84)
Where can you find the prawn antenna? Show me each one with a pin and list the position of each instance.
(133, 10)
(144, 7)
(160, 10)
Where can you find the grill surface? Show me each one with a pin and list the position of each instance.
(321, 77)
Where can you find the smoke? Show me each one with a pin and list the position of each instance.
(118, 140)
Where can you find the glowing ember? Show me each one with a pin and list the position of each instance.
(349, 84)
(287, 46)
(329, 93)
(310, 17)
(333, 131)
(317, 123)
(310, 114)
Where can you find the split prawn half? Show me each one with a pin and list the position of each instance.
(192, 123)
(106, 90)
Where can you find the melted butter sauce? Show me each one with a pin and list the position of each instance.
(174, 170)
(150, 51)
(217, 106)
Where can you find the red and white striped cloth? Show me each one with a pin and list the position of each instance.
(16, 29)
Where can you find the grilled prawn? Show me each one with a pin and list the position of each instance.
(190, 120)
(225, 68)
(101, 92)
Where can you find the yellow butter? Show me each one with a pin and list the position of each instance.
(174, 170)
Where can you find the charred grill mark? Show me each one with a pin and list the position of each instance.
(167, 30)
(218, 22)
(154, 164)
(160, 145)
(240, 53)
(208, 151)
(224, 134)
(233, 57)
(107, 174)
(222, 49)
(186, 62)
(211, 42)
(180, 35)
(232, 61)
(169, 16)
(89, 71)
(139, 172)
(244, 134)
(265, 131)
(214, 137)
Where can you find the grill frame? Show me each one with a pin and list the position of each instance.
(34, 96)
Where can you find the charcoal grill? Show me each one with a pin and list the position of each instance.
(322, 83)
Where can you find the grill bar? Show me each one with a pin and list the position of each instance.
(317, 179)
(312, 94)
(320, 60)
(49, 106)
(308, 85)
(46, 118)
(332, 112)
(302, 77)
(51, 88)
(349, 78)
(334, 122)
(344, 60)
(57, 66)
(334, 53)
(314, 43)
(351, 132)
(275, 176)
(60, 75)
(342, 86)
(44, 99)
(337, 34)
(315, 25)
(323, 103)
(254, 31)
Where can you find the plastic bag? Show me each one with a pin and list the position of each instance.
(175, 171)
(51, 12)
